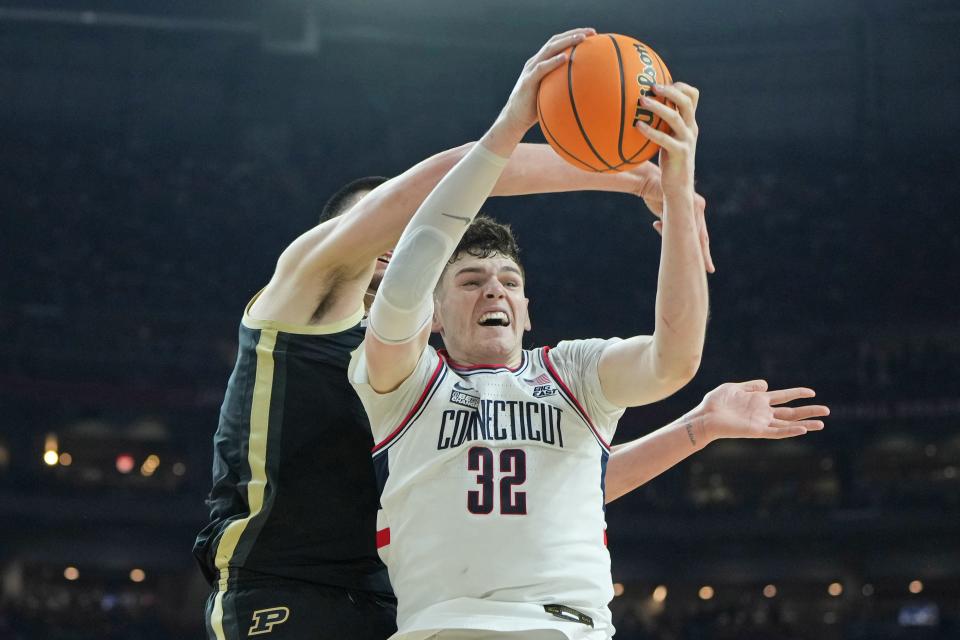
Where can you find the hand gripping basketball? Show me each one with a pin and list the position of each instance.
(520, 112)
(677, 148)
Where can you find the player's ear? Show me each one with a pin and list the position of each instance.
(435, 325)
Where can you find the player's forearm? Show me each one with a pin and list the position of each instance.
(635, 463)
(385, 213)
(404, 301)
(533, 168)
(682, 299)
(536, 168)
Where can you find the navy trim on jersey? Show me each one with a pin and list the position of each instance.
(604, 458)
(570, 398)
(439, 373)
(465, 371)
(381, 469)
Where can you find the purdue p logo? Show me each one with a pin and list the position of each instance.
(265, 619)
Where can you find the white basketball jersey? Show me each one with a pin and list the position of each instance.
(492, 491)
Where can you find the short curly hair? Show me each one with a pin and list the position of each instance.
(486, 237)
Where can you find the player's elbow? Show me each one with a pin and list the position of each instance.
(677, 370)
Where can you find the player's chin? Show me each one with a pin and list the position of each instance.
(498, 339)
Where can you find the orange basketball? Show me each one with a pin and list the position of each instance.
(589, 107)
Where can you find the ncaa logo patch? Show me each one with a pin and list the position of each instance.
(264, 620)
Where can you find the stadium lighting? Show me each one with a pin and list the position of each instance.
(916, 586)
(660, 593)
(706, 592)
(618, 589)
(66, 459)
(770, 591)
(150, 465)
(50, 446)
(125, 463)
(835, 589)
(137, 575)
(71, 573)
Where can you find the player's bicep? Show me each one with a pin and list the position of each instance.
(389, 364)
(628, 373)
(307, 250)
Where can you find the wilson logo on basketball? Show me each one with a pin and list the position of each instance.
(586, 106)
(645, 79)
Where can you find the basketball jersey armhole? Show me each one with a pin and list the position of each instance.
(300, 329)
(570, 397)
(436, 377)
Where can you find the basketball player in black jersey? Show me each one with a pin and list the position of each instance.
(290, 547)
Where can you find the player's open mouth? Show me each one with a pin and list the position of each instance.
(494, 319)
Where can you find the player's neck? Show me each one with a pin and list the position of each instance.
(472, 358)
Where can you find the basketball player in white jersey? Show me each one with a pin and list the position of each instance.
(491, 458)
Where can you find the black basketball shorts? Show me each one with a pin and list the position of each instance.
(293, 610)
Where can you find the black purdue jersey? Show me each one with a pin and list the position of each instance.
(294, 494)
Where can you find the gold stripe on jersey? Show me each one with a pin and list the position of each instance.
(301, 329)
(257, 461)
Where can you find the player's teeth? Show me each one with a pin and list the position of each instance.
(495, 315)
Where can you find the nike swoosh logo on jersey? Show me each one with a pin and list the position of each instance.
(464, 219)
(459, 386)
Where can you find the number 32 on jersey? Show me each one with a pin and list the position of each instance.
(511, 466)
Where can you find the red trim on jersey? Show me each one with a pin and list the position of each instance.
(604, 536)
(383, 537)
(470, 367)
(416, 406)
(546, 360)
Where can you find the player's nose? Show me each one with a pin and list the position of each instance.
(494, 289)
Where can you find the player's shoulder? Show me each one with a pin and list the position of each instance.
(578, 345)
(569, 356)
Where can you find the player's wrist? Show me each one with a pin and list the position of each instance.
(644, 180)
(700, 425)
(501, 138)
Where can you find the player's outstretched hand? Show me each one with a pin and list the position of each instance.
(520, 112)
(748, 410)
(650, 189)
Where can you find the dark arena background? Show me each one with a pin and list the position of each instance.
(157, 157)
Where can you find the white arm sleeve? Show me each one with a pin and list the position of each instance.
(404, 302)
